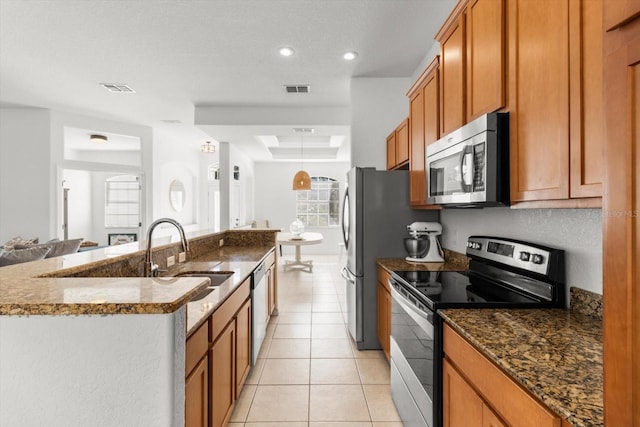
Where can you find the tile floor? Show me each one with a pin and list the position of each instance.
(309, 372)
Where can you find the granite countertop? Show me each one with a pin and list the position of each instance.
(23, 292)
(454, 261)
(556, 354)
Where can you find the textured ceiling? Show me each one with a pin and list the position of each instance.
(179, 54)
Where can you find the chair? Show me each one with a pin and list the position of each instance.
(260, 223)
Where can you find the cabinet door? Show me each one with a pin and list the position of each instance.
(539, 99)
(452, 59)
(587, 103)
(417, 176)
(243, 345)
(490, 419)
(485, 57)
(402, 143)
(384, 319)
(431, 93)
(272, 290)
(391, 151)
(461, 405)
(222, 376)
(197, 396)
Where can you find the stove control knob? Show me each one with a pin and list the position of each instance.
(476, 246)
(537, 259)
(470, 244)
(525, 256)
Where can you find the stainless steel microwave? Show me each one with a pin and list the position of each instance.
(470, 166)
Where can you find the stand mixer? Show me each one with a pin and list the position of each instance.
(419, 231)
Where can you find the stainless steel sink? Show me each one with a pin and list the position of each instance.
(217, 278)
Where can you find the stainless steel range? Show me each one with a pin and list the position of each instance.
(502, 273)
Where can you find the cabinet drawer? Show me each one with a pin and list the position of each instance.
(511, 401)
(197, 345)
(228, 309)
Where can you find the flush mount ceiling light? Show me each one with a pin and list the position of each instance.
(98, 139)
(286, 51)
(208, 147)
(350, 56)
(301, 180)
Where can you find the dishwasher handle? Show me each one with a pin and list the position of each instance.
(258, 273)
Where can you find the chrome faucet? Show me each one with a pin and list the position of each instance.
(151, 269)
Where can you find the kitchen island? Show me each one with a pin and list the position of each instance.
(86, 341)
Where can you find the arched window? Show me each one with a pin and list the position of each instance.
(122, 202)
(320, 206)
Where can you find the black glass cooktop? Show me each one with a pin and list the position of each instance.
(450, 289)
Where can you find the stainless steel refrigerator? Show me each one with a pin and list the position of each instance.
(375, 215)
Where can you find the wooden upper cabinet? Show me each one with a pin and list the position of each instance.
(424, 128)
(485, 50)
(398, 146)
(391, 151)
(587, 103)
(402, 142)
(452, 74)
(555, 101)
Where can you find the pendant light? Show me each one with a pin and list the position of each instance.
(301, 180)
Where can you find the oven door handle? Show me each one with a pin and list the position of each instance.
(424, 320)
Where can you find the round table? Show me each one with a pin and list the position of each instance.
(297, 241)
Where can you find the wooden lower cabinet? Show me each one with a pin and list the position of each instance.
(462, 406)
(222, 376)
(478, 393)
(197, 396)
(384, 312)
(243, 345)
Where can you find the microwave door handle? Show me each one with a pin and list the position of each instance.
(466, 187)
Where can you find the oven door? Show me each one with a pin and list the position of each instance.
(412, 354)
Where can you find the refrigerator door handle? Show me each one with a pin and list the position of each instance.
(346, 274)
(345, 219)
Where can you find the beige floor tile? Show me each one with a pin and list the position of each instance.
(255, 372)
(324, 291)
(330, 348)
(292, 331)
(277, 424)
(334, 371)
(290, 348)
(280, 403)
(388, 424)
(235, 424)
(329, 331)
(327, 318)
(337, 403)
(298, 318)
(264, 349)
(285, 371)
(347, 424)
(325, 307)
(243, 404)
(298, 307)
(381, 407)
(325, 298)
(373, 371)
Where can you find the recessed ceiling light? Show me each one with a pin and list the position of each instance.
(286, 51)
(99, 139)
(350, 56)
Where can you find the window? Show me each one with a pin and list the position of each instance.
(320, 206)
(122, 202)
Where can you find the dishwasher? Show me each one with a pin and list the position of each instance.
(258, 310)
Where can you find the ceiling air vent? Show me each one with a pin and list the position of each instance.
(297, 88)
(304, 130)
(117, 87)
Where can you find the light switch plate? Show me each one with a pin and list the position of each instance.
(171, 261)
(182, 257)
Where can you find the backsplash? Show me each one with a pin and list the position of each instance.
(577, 231)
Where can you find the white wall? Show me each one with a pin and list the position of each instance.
(577, 231)
(241, 203)
(25, 170)
(276, 201)
(378, 106)
(80, 204)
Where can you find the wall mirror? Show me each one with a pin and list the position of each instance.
(177, 195)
